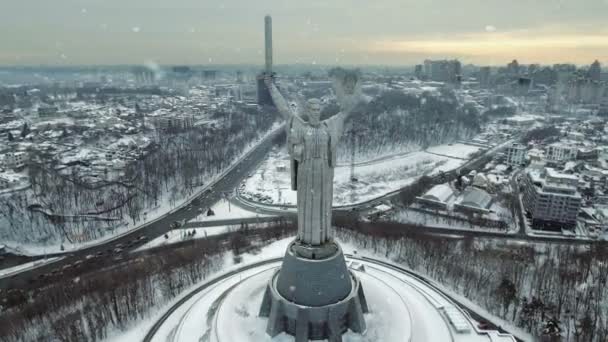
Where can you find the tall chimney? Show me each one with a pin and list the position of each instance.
(268, 31)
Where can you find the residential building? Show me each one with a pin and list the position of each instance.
(15, 160)
(513, 68)
(551, 198)
(561, 152)
(174, 122)
(516, 155)
(484, 76)
(448, 71)
(47, 111)
(595, 71)
(419, 71)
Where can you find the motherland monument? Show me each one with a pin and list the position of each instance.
(314, 296)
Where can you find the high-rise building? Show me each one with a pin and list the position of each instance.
(595, 71)
(448, 71)
(513, 68)
(484, 76)
(516, 155)
(551, 198)
(419, 71)
(559, 152)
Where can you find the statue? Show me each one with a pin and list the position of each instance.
(312, 147)
(314, 296)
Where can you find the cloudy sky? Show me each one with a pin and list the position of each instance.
(394, 32)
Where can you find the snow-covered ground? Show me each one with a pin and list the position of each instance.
(271, 183)
(179, 235)
(459, 151)
(225, 210)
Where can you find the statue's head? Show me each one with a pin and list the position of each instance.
(314, 111)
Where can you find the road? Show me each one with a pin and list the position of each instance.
(155, 228)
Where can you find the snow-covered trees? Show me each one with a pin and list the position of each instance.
(79, 305)
(71, 207)
(397, 121)
(557, 292)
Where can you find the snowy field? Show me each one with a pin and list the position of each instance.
(225, 210)
(271, 183)
(179, 235)
(459, 151)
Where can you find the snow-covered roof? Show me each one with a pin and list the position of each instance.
(480, 180)
(474, 197)
(439, 193)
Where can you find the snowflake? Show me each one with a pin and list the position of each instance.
(490, 28)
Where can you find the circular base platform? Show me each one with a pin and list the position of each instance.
(403, 308)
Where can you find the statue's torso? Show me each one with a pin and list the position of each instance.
(315, 143)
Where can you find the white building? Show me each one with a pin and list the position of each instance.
(15, 160)
(551, 197)
(561, 152)
(174, 122)
(474, 200)
(516, 155)
(437, 197)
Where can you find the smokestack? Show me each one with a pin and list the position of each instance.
(268, 31)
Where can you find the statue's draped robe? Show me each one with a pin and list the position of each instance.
(313, 158)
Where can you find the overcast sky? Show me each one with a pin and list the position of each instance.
(395, 32)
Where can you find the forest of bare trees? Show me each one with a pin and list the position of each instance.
(98, 300)
(555, 291)
(395, 121)
(64, 208)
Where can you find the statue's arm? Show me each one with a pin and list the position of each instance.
(279, 101)
(337, 121)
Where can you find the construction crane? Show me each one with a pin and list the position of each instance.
(353, 146)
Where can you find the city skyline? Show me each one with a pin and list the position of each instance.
(388, 32)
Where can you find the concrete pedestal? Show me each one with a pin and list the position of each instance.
(314, 296)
